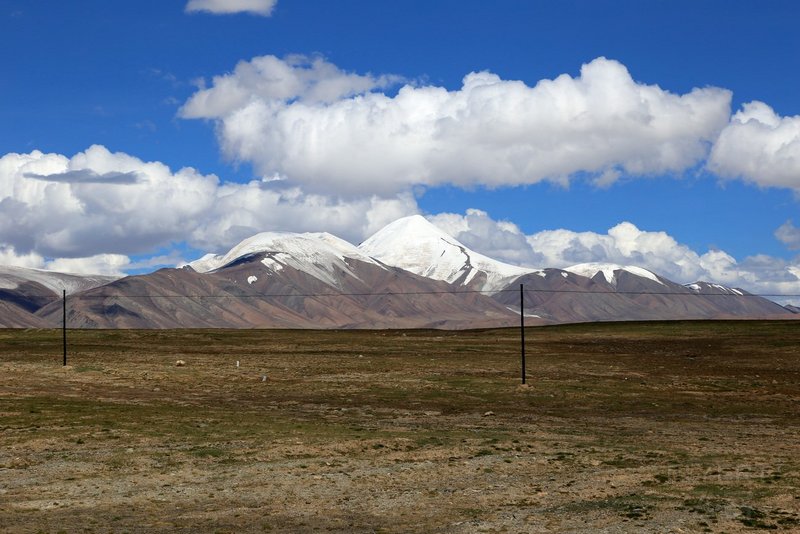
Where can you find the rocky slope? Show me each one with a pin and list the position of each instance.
(408, 275)
(287, 281)
(24, 291)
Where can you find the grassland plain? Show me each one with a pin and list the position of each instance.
(625, 427)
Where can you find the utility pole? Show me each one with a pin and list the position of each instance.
(64, 324)
(522, 328)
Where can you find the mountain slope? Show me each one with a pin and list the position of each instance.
(24, 291)
(408, 275)
(735, 302)
(612, 273)
(607, 292)
(55, 282)
(416, 245)
(321, 255)
(15, 316)
(282, 281)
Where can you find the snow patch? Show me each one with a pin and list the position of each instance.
(8, 283)
(321, 255)
(590, 270)
(700, 286)
(251, 279)
(209, 262)
(516, 310)
(416, 245)
(13, 277)
(272, 263)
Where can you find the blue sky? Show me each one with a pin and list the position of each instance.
(123, 75)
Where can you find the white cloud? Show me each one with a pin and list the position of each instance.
(106, 264)
(60, 216)
(759, 146)
(75, 209)
(239, 211)
(332, 131)
(9, 256)
(87, 213)
(789, 235)
(270, 79)
(227, 7)
(501, 240)
(624, 244)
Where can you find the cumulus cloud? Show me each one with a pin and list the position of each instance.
(228, 7)
(85, 211)
(106, 264)
(624, 244)
(67, 217)
(759, 146)
(9, 256)
(239, 211)
(789, 235)
(297, 78)
(87, 176)
(501, 240)
(327, 130)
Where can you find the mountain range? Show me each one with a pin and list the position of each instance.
(410, 274)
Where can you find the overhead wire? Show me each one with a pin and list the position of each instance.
(689, 293)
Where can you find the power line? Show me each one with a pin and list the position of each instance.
(412, 293)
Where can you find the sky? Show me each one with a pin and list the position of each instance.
(663, 134)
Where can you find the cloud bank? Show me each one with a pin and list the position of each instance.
(624, 244)
(74, 210)
(86, 213)
(342, 152)
(228, 7)
(759, 146)
(308, 121)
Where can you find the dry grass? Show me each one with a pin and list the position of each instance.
(650, 427)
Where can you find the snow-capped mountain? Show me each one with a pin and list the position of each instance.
(14, 277)
(410, 274)
(735, 301)
(281, 280)
(321, 255)
(24, 291)
(416, 245)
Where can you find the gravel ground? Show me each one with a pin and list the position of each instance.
(662, 427)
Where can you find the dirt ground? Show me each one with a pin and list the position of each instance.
(638, 427)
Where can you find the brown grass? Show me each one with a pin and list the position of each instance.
(648, 427)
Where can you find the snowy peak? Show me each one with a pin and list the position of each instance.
(414, 225)
(416, 245)
(13, 277)
(610, 271)
(320, 255)
(317, 248)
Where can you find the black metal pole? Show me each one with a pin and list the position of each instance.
(64, 324)
(522, 328)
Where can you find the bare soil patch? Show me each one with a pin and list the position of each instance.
(636, 427)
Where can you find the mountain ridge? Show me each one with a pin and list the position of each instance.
(410, 274)
(415, 244)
